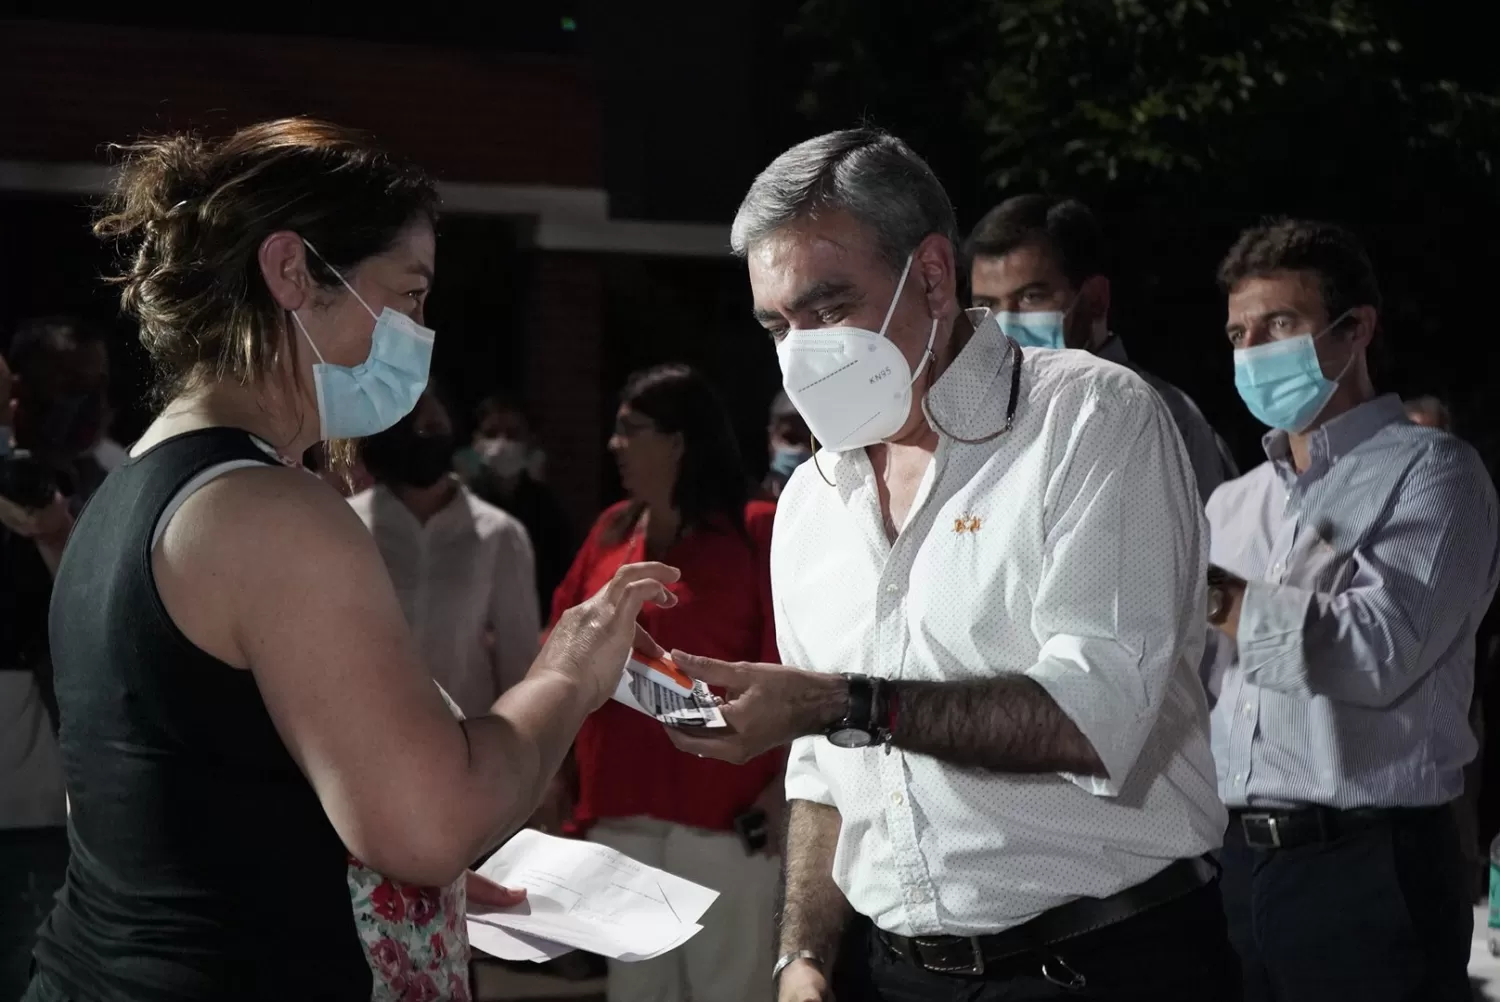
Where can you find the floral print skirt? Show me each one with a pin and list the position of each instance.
(414, 937)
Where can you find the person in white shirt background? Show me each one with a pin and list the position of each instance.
(1001, 549)
(462, 568)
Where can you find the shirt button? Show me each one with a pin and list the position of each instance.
(1276, 569)
(897, 799)
(1239, 778)
(1249, 709)
(892, 588)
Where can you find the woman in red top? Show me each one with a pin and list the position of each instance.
(688, 505)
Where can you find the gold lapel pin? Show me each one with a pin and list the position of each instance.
(967, 523)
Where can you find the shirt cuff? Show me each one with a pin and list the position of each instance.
(1103, 722)
(1273, 620)
(804, 780)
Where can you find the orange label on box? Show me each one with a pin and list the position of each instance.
(665, 665)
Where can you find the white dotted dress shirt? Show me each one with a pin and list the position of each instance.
(1071, 549)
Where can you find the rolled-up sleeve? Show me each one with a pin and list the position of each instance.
(1121, 597)
(1414, 584)
(804, 780)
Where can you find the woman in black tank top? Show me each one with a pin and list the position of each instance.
(267, 790)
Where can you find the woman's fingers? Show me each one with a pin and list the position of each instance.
(486, 893)
(638, 593)
(645, 644)
(631, 574)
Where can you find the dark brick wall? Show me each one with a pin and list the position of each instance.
(464, 115)
(564, 377)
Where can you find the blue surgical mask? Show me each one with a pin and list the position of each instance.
(1282, 382)
(365, 399)
(1032, 330)
(1040, 329)
(787, 458)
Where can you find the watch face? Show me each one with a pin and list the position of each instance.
(848, 737)
(1217, 604)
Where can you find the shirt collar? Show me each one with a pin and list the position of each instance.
(1342, 435)
(970, 397)
(456, 510)
(1113, 350)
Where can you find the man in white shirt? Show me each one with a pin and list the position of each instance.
(1006, 546)
(462, 568)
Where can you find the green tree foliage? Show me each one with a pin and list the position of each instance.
(1182, 121)
(1141, 93)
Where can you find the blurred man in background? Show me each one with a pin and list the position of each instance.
(502, 443)
(462, 568)
(504, 466)
(53, 409)
(1038, 262)
(1350, 572)
(790, 444)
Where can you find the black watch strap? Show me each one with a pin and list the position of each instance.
(860, 716)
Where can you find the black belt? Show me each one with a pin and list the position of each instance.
(971, 954)
(1298, 826)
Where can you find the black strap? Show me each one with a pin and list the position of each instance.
(971, 955)
(1292, 827)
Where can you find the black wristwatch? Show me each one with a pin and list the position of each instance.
(864, 722)
(1219, 598)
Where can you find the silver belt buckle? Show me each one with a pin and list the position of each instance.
(1272, 825)
(976, 967)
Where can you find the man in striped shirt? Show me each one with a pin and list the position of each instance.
(1349, 574)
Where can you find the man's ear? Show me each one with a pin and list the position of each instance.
(935, 265)
(1096, 291)
(1362, 332)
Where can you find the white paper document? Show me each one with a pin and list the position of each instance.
(655, 687)
(506, 945)
(586, 897)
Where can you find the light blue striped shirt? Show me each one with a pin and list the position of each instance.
(1368, 575)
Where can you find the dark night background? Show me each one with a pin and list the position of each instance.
(694, 98)
(1181, 122)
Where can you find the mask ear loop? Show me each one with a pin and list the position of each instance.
(818, 466)
(340, 276)
(1012, 348)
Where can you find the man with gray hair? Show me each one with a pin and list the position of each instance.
(987, 578)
